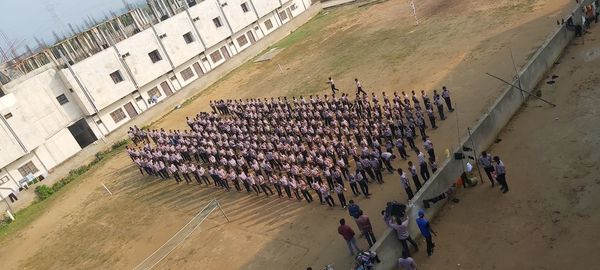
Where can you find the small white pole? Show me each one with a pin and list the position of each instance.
(222, 212)
(9, 214)
(107, 190)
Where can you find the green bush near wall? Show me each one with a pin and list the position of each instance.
(44, 192)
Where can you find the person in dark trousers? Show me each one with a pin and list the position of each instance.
(364, 224)
(332, 84)
(348, 234)
(405, 184)
(359, 89)
(415, 175)
(485, 160)
(362, 182)
(431, 116)
(354, 210)
(501, 174)
(428, 145)
(339, 190)
(438, 103)
(353, 185)
(426, 231)
(401, 228)
(446, 96)
(424, 170)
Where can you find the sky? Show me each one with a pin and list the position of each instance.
(26, 19)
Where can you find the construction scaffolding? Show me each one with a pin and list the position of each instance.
(82, 44)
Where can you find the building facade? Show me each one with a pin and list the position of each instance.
(82, 88)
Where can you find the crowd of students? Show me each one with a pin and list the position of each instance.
(299, 147)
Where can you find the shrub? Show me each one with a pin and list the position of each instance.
(43, 192)
(119, 144)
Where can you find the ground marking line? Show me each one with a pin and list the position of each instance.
(174, 242)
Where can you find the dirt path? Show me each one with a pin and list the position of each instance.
(455, 42)
(549, 218)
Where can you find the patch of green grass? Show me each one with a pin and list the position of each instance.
(47, 195)
(23, 218)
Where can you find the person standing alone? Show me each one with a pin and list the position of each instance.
(426, 231)
(332, 84)
(359, 89)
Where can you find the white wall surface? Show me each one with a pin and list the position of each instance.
(57, 148)
(238, 19)
(9, 147)
(94, 73)
(205, 12)
(36, 114)
(174, 43)
(140, 64)
(264, 7)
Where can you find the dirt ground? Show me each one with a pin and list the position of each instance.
(550, 218)
(454, 44)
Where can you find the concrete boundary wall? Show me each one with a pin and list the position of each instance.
(484, 133)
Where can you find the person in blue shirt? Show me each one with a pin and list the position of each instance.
(426, 231)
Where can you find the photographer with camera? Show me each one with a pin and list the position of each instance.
(401, 228)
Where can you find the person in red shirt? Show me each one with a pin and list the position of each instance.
(348, 234)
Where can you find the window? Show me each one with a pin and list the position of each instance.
(154, 92)
(187, 74)
(155, 56)
(245, 7)
(293, 6)
(62, 99)
(242, 40)
(116, 77)
(28, 168)
(268, 24)
(8, 116)
(188, 38)
(217, 22)
(216, 56)
(283, 16)
(162, 36)
(118, 115)
(4, 179)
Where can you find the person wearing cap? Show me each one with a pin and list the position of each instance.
(426, 231)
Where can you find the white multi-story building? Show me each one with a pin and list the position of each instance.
(67, 96)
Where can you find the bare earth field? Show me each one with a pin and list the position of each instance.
(455, 43)
(550, 218)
